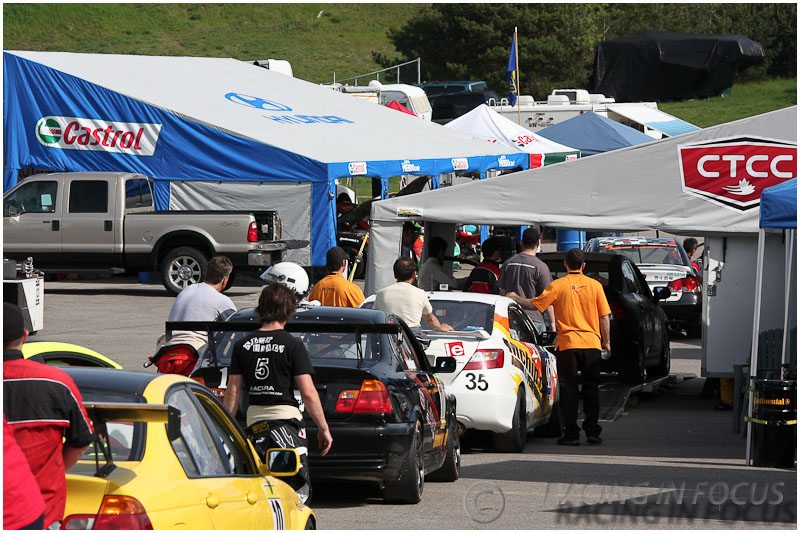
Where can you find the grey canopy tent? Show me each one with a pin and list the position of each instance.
(650, 186)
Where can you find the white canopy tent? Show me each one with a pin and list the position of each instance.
(485, 123)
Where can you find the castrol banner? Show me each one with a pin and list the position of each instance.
(75, 133)
(733, 172)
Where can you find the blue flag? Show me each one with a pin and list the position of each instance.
(511, 73)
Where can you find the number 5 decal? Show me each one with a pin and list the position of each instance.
(480, 384)
(262, 370)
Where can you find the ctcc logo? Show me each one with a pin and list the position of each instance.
(256, 102)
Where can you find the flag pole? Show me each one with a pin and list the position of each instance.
(516, 57)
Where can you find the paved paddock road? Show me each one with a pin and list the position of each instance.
(670, 462)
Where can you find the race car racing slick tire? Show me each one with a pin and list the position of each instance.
(180, 266)
(408, 489)
(694, 331)
(513, 440)
(631, 372)
(662, 368)
(452, 463)
(554, 427)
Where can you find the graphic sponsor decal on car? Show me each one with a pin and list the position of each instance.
(98, 135)
(733, 172)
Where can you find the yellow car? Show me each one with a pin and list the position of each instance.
(65, 354)
(169, 456)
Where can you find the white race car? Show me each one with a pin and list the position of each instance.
(505, 381)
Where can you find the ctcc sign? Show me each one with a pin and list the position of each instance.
(735, 171)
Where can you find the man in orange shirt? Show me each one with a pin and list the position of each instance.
(334, 289)
(582, 318)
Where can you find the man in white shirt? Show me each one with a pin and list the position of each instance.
(406, 301)
(432, 274)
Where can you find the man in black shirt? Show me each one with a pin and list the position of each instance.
(268, 363)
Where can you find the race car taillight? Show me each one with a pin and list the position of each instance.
(483, 359)
(116, 512)
(617, 312)
(372, 398)
(252, 232)
(687, 284)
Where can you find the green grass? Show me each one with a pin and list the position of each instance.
(341, 39)
(746, 100)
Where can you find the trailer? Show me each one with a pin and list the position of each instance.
(564, 104)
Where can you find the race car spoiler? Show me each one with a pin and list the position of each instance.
(102, 413)
(296, 327)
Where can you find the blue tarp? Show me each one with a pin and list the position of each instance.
(594, 134)
(216, 119)
(779, 206)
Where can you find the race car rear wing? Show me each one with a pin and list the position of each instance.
(102, 413)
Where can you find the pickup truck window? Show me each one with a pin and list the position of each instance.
(34, 197)
(88, 197)
(137, 193)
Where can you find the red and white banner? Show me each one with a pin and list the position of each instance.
(733, 172)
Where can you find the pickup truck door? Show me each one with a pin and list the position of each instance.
(89, 224)
(31, 221)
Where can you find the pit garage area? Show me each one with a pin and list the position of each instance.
(669, 460)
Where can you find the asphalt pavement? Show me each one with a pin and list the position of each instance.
(669, 462)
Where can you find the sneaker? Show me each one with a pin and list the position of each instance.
(594, 440)
(565, 441)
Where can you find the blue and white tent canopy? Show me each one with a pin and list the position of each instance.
(190, 120)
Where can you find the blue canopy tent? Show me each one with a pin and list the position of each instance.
(594, 134)
(778, 211)
(220, 133)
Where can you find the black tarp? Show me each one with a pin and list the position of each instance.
(658, 65)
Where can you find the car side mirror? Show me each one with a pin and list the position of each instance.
(548, 338)
(662, 293)
(444, 365)
(281, 462)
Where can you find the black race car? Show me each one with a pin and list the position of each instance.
(639, 337)
(392, 421)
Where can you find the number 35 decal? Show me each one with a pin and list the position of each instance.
(480, 384)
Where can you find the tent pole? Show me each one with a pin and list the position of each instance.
(754, 343)
(516, 57)
(788, 275)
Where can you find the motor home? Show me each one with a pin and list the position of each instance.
(564, 104)
(412, 97)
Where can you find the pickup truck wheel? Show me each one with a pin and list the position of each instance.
(182, 267)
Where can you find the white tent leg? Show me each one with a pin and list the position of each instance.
(788, 274)
(754, 344)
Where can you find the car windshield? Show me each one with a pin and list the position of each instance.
(319, 346)
(658, 254)
(462, 316)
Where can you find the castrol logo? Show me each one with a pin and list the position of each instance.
(74, 133)
(733, 172)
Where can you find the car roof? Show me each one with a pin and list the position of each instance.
(635, 241)
(492, 299)
(593, 257)
(118, 383)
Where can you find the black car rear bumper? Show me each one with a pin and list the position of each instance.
(363, 453)
(684, 312)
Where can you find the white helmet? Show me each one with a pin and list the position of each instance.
(290, 274)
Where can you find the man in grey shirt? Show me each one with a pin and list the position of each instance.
(202, 302)
(527, 275)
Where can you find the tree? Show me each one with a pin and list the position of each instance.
(557, 41)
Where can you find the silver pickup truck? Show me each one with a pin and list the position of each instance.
(106, 222)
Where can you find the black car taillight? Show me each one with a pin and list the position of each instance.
(617, 312)
(373, 397)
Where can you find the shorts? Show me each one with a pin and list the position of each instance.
(289, 433)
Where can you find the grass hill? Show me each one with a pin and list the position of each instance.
(318, 39)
